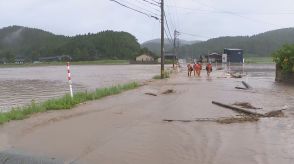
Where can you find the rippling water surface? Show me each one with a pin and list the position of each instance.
(19, 86)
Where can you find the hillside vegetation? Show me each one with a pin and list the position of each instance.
(155, 45)
(30, 44)
(261, 45)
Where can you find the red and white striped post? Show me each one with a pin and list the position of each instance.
(69, 79)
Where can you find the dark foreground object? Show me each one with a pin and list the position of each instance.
(14, 157)
(240, 110)
(275, 113)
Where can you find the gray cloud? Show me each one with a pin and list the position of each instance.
(202, 18)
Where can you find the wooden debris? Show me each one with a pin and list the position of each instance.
(246, 116)
(169, 91)
(275, 113)
(237, 109)
(241, 88)
(225, 120)
(193, 120)
(236, 75)
(246, 85)
(151, 94)
(245, 105)
(231, 120)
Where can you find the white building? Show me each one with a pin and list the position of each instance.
(144, 58)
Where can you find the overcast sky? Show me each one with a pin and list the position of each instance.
(203, 19)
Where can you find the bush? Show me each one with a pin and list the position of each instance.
(166, 74)
(284, 58)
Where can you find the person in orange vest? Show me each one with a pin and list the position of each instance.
(208, 68)
(190, 69)
(194, 66)
(198, 68)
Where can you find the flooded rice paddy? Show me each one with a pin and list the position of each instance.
(19, 86)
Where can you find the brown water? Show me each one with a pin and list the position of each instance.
(129, 128)
(19, 86)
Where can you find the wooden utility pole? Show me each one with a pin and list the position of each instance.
(162, 40)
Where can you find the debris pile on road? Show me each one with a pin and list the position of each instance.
(231, 120)
(250, 115)
(246, 105)
(169, 91)
(236, 75)
(225, 120)
(151, 94)
(247, 86)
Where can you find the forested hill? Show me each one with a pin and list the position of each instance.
(30, 44)
(261, 45)
(154, 45)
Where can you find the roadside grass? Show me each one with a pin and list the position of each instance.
(65, 102)
(259, 60)
(166, 75)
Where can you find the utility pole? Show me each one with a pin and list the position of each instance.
(176, 33)
(162, 41)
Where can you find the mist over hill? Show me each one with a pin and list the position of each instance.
(260, 45)
(155, 44)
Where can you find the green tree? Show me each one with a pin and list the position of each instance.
(284, 58)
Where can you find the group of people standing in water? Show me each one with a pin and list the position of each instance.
(197, 67)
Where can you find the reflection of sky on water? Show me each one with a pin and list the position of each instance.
(19, 86)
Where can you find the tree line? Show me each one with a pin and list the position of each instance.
(31, 44)
(261, 45)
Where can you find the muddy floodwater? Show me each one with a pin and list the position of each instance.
(130, 127)
(19, 86)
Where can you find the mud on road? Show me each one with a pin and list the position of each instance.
(129, 128)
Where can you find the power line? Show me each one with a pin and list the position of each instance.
(167, 26)
(193, 34)
(235, 14)
(152, 3)
(155, 2)
(178, 24)
(169, 39)
(151, 6)
(225, 12)
(148, 15)
(169, 15)
(139, 7)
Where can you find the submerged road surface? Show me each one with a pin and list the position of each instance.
(129, 128)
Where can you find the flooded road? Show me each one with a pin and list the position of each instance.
(19, 86)
(129, 128)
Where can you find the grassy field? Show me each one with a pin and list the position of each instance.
(259, 60)
(95, 62)
(65, 102)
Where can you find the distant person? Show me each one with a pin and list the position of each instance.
(208, 69)
(190, 69)
(194, 67)
(201, 59)
(198, 68)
